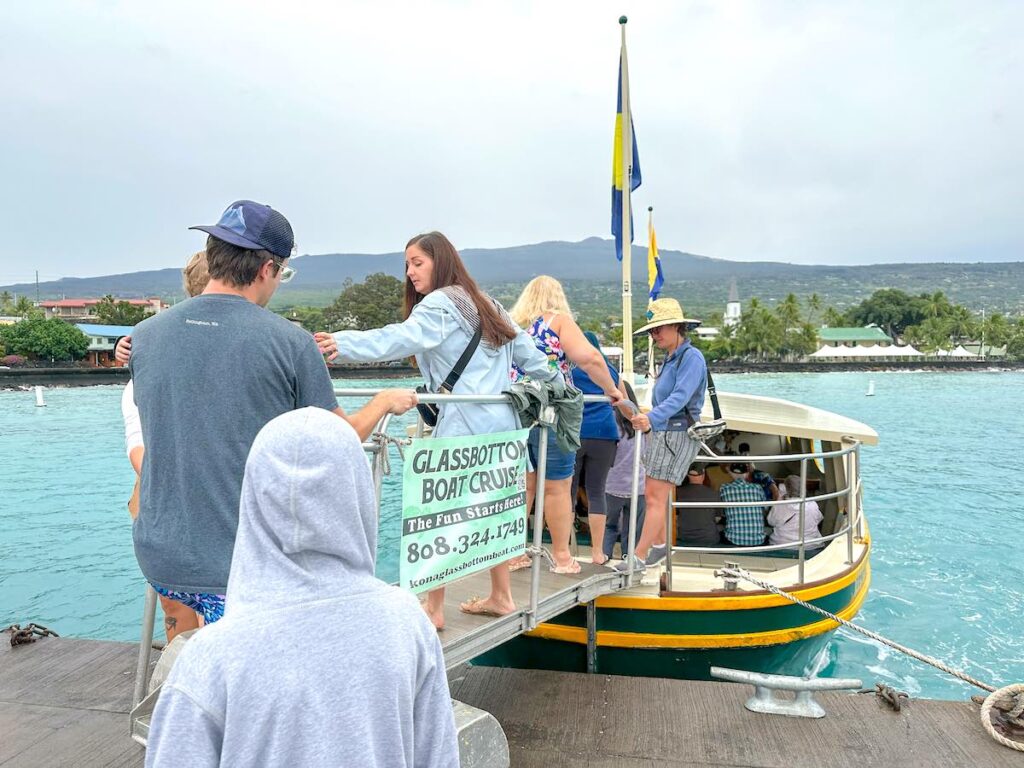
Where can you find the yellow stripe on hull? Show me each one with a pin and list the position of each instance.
(732, 602)
(612, 639)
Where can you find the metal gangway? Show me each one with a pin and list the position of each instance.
(540, 595)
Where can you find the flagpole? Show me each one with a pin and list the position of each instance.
(627, 235)
(650, 339)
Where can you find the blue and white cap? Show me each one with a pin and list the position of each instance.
(254, 226)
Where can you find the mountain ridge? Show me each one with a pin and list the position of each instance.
(997, 285)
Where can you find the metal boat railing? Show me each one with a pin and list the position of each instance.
(852, 530)
(542, 457)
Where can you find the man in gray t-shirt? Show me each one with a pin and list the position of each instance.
(208, 374)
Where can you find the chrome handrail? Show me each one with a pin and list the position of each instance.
(539, 494)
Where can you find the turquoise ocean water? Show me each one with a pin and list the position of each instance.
(944, 495)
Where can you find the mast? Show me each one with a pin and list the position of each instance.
(627, 224)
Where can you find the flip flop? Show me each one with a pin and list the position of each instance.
(572, 567)
(520, 562)
(475, 607)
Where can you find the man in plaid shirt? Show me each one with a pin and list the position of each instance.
(744, 526)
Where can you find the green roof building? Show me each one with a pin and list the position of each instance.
(854, 337)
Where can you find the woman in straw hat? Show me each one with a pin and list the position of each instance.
(677, 399)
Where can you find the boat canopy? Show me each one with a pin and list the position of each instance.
(772, 416)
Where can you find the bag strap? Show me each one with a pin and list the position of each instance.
(716, 410)
(460, 366)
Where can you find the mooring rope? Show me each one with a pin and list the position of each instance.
(383, 441)
(1015, 691)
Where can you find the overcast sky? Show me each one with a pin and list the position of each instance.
(812, 132)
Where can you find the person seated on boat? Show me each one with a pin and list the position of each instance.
(677, 398)
(744, 526)
(543, 310)
(443, 308)
(697, 526)
(784, 519)
(208, 374)
(619, 487)
(599, 436)
(316, 661)
(178, 617)
(766, 481)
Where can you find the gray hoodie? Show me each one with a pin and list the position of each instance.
(316, 662)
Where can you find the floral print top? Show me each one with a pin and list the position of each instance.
(547, 341)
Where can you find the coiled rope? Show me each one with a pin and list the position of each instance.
(1014, 693)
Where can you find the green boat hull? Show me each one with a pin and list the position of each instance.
(795, 658)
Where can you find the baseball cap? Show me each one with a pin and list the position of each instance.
(254, 226)
(695, 469)
(739, 468)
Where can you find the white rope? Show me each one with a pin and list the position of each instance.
(1016, 690)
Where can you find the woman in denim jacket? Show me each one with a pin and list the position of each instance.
(443, 309)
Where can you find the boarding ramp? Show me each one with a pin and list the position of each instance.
(540, 595)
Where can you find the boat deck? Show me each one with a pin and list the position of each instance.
(65, 702)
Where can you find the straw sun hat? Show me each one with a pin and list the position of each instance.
(666, 312)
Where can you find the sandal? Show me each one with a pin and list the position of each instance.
(475, 607)
(573, 566)
(518, 563)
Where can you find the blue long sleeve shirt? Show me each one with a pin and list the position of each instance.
(437, 334)
(681, 384)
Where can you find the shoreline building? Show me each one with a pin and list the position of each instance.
(102, 340)
(733, 311)
(85, 309)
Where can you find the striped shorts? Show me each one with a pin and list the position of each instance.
(667, 455)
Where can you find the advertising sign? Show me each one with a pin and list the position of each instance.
(463, 506)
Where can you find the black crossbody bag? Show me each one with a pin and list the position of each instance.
(429, 412)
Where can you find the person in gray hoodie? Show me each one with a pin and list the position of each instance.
(316, 661)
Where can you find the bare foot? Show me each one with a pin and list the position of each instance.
(489, 607)
(436, 617)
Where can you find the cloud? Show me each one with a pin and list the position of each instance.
(843, 132)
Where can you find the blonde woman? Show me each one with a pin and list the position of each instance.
(543, 311)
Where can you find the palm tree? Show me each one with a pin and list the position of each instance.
(789, 312)
(814, 307)
(5, 301)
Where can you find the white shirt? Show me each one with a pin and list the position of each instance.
(132, 423)
(785, 522)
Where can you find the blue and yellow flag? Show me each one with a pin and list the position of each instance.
(655, 279)
(618, 171)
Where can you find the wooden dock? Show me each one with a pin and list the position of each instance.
(65, 702)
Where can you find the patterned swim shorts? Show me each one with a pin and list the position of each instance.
(211, 607)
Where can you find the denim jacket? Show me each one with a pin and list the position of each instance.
(681, 382)
(437, 334)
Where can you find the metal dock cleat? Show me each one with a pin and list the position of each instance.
(764, 698)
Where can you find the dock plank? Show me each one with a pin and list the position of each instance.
(598, 720)
(64, 702)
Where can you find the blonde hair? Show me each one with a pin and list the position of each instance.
(195, 275)
(542, 295)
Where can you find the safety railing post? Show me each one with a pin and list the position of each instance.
(538, 525)
(857, 494)
(803, 505)
(145, 646)
(634, 502)
(670, 539)
(851, 506)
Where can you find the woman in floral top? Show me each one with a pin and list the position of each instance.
(544, 311)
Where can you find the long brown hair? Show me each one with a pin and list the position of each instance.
(449, 270)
